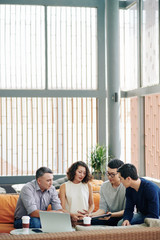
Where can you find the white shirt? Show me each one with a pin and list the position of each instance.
(77, 196)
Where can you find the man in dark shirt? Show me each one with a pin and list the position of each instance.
(140, 193)
(35, 196)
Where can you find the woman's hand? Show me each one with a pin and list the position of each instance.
(76, 216)
(85, 212)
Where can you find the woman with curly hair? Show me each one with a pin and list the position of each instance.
(76, 194)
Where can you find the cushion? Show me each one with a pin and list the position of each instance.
(100, 227)
(96, 198)
(96, 184)
(7, 207)
(152, 222)
(6, 228)
(59, 181)
(18, 187)
(2, 190)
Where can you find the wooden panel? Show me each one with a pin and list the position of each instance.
(152, 135)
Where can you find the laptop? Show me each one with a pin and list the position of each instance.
(55, 222)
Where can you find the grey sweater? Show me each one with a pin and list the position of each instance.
(112, 199)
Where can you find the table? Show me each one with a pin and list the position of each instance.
(22, 231)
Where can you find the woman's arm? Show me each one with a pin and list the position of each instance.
(90, 200)
(62, 195)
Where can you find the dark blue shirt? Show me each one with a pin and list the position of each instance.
(147, 200)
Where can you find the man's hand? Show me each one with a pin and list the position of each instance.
(126, 223)
(106, 218)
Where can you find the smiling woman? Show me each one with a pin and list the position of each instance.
(76, 194)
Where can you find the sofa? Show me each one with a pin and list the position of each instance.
(8, 204)
(116, 233)
(147, 231)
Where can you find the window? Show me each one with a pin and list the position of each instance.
(48, 52)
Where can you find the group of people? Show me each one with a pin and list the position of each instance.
(120, 195)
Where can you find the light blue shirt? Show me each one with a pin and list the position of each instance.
(32, 198)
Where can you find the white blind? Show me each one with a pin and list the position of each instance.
(22, 46)
(49, 132)
(66, 58)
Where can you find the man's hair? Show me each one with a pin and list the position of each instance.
(42, 170)
(115, 163)
(72, 171)
(128, 170)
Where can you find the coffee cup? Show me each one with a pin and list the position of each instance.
(25, 223)
(87, 221)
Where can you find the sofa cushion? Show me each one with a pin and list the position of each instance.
(96, 185)
(100, 227)
(6, 228)
(96, 198)
(7, 207)
(2, 190)
(58, 182)
(152, 222)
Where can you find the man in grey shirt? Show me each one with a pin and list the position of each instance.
(112, 197)
(35, 196)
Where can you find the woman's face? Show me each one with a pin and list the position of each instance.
(80, 174)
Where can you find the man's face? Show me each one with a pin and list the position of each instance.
(113, 175)
(45, 182)
(125, 182)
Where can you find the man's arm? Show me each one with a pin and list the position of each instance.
(99, 212)
(118, 214)
(128, 212)
(35, 214)
(102, 205)
(152, 197)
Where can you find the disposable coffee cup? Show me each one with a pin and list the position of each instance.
(25, 223)
(86, 221)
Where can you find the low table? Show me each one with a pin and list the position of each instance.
(22, 231)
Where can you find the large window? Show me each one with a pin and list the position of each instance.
(128, 48)
(70, 45)
(49, 84)
(150, 42)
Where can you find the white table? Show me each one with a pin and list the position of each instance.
(22, 231)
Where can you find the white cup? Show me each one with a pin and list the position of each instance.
(87, 221)
(25, 223)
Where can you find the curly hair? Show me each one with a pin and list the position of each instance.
(71, 172)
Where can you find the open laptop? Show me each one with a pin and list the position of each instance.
(55, 222)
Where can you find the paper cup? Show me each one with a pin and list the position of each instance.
(25, 222)
(86, 221)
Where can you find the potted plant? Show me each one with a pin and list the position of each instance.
(98, 160)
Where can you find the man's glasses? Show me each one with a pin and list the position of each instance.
(112, 175)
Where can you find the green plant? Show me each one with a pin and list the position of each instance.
(98, 159)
